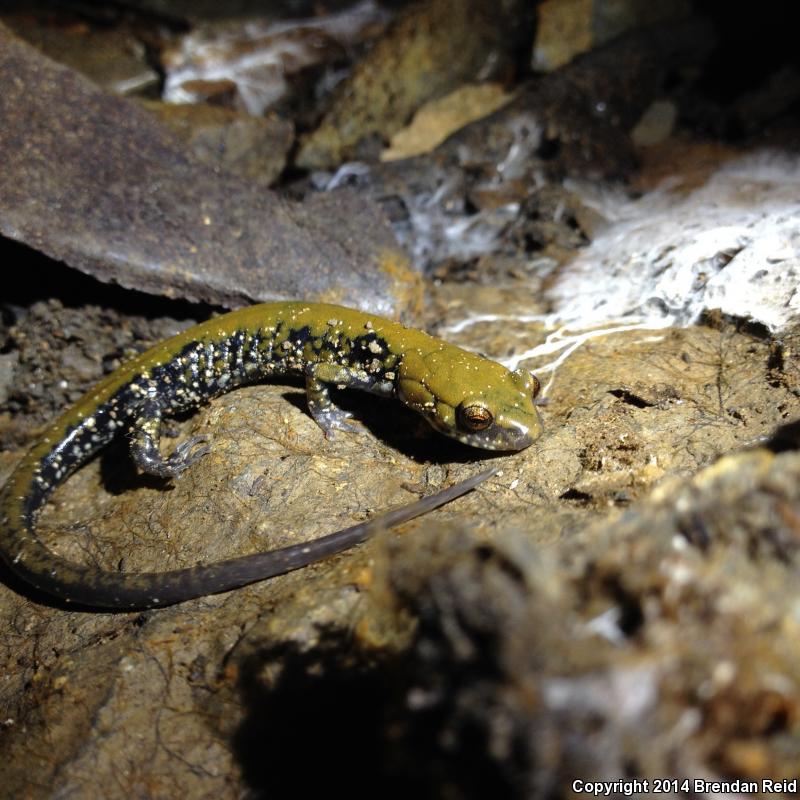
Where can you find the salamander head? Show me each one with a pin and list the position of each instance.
(475, 400)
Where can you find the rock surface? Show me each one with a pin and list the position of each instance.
(427, 52)
(95, 181)
(254, 148)
(620, 602)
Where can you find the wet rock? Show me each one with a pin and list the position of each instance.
(254, 148)
(98, 183)
(429, 51)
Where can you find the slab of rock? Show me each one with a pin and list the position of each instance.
(254, 148)
(95, 181)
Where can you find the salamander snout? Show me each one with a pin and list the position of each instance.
(472, 399)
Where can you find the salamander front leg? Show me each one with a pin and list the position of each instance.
(145, 438)
(325, 412)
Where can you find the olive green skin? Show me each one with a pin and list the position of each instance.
(432, 377)
(461, 394)
(438, 383)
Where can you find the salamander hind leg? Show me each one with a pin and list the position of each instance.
(145, 439)
(324, 411)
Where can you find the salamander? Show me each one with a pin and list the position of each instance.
(461, 394)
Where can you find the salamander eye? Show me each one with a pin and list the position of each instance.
(537, 386)
(475, 417)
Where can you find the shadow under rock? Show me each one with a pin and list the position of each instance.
(329, 726)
